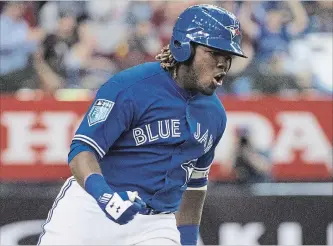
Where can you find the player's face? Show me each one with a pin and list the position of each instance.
(209, 67)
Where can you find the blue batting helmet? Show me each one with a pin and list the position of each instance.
(208, 25)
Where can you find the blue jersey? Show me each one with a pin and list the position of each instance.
(150, 135)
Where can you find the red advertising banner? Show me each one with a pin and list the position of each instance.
(35, 137)
(297, 135)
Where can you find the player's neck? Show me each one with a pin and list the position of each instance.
(179, 74)
(175, 76)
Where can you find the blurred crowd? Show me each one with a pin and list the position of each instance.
(52, 45)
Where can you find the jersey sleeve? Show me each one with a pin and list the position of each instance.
(110, 114)
(199, 177)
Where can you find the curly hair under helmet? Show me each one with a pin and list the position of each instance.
(166, 59)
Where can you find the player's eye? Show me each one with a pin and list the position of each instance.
(213, 53)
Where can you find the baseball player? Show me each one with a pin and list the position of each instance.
(141, 156)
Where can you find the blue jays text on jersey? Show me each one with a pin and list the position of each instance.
(150, 135)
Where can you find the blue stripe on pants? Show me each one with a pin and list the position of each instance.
(55, 204)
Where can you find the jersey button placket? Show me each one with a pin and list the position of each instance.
(188, 116)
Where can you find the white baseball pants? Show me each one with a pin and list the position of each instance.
(76, 219)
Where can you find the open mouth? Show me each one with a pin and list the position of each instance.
(218, 78)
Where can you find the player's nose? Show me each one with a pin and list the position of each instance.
(224, 63)
(223, 66)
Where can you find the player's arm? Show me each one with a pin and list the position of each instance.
(83, 165)
(85, 168)
(189, 214)
(109, 116)
(190, 209)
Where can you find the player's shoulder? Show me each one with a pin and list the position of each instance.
(214, 103)
(217, 112)
(136, 74)
(140, 72)
(220, 108)
(133, 76)
(217, 101)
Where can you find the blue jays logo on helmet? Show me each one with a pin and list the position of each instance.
(208, 25)
(234, 30)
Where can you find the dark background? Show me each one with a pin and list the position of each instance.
(225, 203)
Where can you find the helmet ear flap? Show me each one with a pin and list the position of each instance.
(181, 51)
(192, 47)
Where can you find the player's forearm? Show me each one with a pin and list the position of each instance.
(191, 207)
(189, 216)
(83, 165)
(87, 172)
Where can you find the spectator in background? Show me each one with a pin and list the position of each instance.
(317, 44)
(268, 31)
(278, 38)
(107, 20)
(158, 19)
(17, 43)
(31, 13)
(165, 15)
(51, 11)
(143, 41)
(85, 68)
(49, 60)
(276, 31)
(278, 26)
(249, 164)
(320, 16)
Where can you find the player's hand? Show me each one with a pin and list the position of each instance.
(121, 207)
